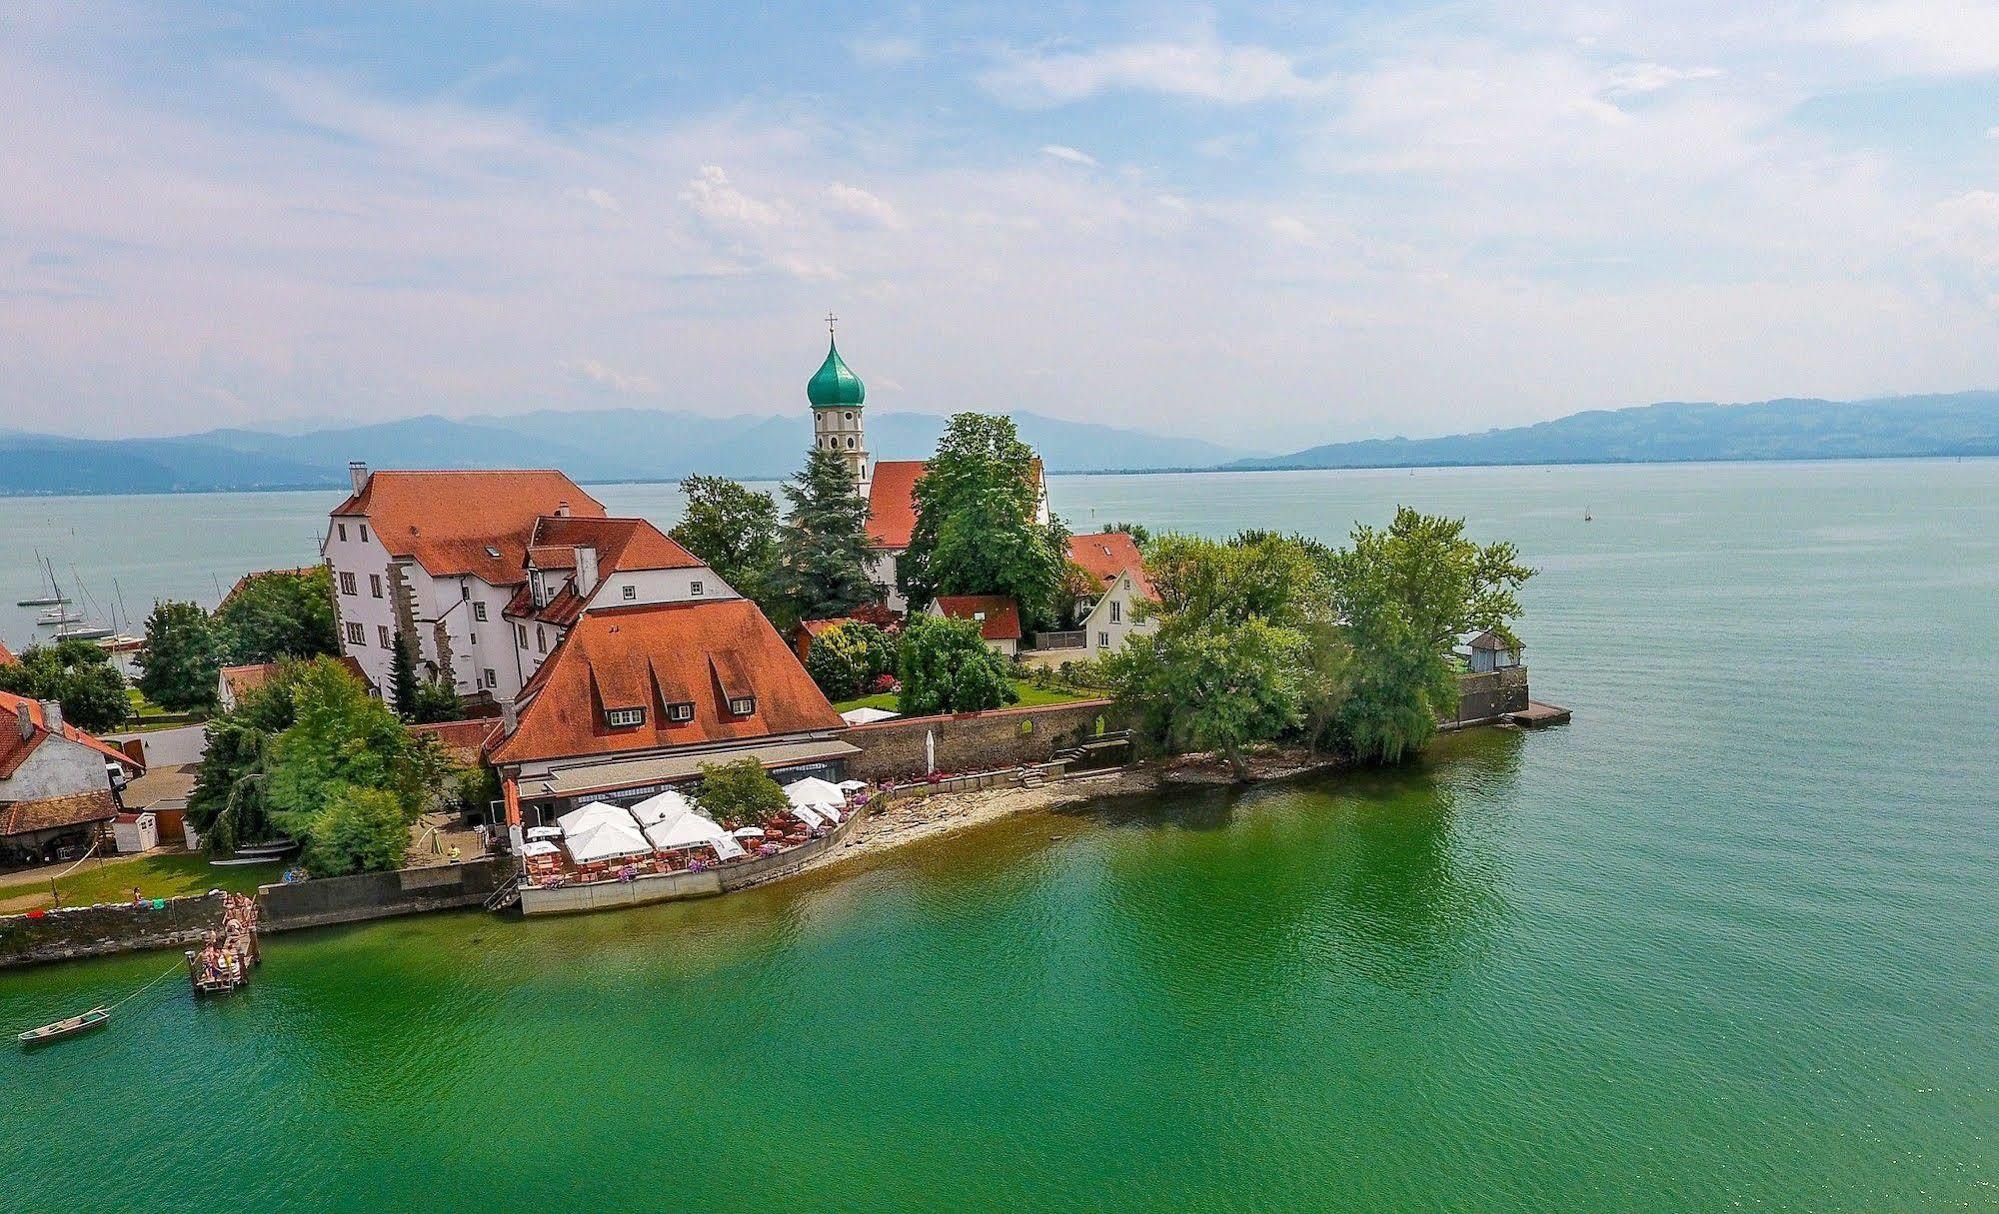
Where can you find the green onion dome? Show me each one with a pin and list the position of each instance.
(834, 385)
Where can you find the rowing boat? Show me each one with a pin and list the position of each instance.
(94, 1018)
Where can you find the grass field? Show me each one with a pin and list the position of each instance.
(1030, 697)
(157, 876)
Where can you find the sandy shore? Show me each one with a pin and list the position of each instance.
(918, 818)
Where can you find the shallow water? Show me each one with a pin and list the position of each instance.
(1727, 941)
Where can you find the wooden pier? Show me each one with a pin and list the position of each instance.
(1537, 714)
(222, 964)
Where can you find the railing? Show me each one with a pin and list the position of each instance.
(1078, 639)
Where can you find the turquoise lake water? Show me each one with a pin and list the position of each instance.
(1729, 941)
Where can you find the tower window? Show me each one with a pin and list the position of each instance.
(850, 444)
(850, 417)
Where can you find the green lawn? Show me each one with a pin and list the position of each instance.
(1030, 697)
(159, 876)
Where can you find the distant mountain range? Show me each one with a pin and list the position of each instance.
(646, 444)
(1963, 423)
(601, 445)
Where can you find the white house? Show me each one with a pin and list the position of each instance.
(58, 784)
(435, 558)
(1112, 560)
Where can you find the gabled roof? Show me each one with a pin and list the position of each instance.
(6, 655)
(1492, 641)
(622, 544)
(651, 655)
(53, 813)
(14, 748)
(457, 522)
(892, 502)
(998, 615)
(1107, 554)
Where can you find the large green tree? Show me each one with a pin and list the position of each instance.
(823, 565)
(741, 791)
(977, 528)
(1202, 683)
(734, 529)
(76, 674)
(181, 658)
(946, 666)
(845, 660)
(228, 805)
(278, 615)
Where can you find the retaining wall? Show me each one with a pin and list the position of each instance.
(406, 891)
(974, 741)
(1485, 697)
(92, 931)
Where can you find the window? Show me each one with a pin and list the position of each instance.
(464, 590)
(540, 639)
(631, 592)
(342, 529)
(683, 711)
(626, 718)
(850, 417)
(375, 584)
(364, 533)
(492, 680)
(382, 635)
(347, 583)
(521, 633)
(742, 706)
(1117, 611)
(356, 635)
(1103, 640)
(479, 612)
(694, 588)
(850, 444)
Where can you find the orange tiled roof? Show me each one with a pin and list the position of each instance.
(652, 655)
(456, 522)
(461, 739)
(892, 502)
(1001, 620)
(53, 813)
(6, 655)
(621, 544)
(14, 748)
(1107, 554)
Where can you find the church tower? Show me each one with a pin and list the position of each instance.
(837, 395)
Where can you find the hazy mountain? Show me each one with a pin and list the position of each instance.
(1964, 423)
(601, 445)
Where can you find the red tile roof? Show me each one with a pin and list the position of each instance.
(456, 522)
(245, 679)
(462, 740)
(6, 655)
(53, 813)
(892, 502)
(1107, 554)
(14, 748)
(652, 655)
(621, 544)
(1001, 614)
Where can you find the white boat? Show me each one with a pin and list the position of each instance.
(59, 615)
(93, 632)
(54, 596)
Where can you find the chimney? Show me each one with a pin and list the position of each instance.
(562, 509)
(27, 724)
(52, 715)
(357, 471)
(510, 717)
(586, 569)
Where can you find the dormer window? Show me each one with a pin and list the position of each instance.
(680, 713)
(631, 592)
(490, 550)
(625, 718)
(695, 588)
(742, 706)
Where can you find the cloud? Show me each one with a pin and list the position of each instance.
(603, 200)
(713, 198)
(854, 203)
(618, 381)
(1939, 37)
(1637, 79)
(1203, 68)
(1064, 152)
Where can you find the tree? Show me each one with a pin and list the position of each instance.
(740, 791)
(76, 674)
(977, 522)
(228, 804)
(342, 739)
(279, 615)
(1211, 684)
(359, 830)
(734, 530)
(846, 659)
(436, 700)
(403, 688)
(946, 666)
(1140, 534)
(182, 657)
(823, 570)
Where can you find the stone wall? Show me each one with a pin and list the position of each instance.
(1483, 697)
(92, 931)
(977, 741)
(407, 891)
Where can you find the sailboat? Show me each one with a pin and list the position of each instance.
(59, 614)
(55, 597)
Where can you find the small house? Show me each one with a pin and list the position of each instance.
(997, 616)
(135, 833)
(1489, 652)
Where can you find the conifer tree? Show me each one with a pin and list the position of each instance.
(402, 679)
(824, 567)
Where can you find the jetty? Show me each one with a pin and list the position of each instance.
(223, 963)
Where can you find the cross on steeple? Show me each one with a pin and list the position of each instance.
(830, 321)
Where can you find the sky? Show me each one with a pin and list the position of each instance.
(1266, 224)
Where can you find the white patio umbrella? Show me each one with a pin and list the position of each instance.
(544, 832)
(750, 832)
(602, 831)
(852, 785)
(658, 808)
(807, 816)
(814, 792)
(540, 847)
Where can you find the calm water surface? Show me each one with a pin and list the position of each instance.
(1727, 942)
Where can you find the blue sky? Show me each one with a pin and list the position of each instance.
(1274, 224)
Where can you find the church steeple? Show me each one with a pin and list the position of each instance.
(836, 395)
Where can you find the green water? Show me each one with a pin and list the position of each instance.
(1727, 942)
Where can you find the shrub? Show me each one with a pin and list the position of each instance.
(741, 791)
(947, 667)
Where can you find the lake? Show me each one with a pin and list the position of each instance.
(1727, 941)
